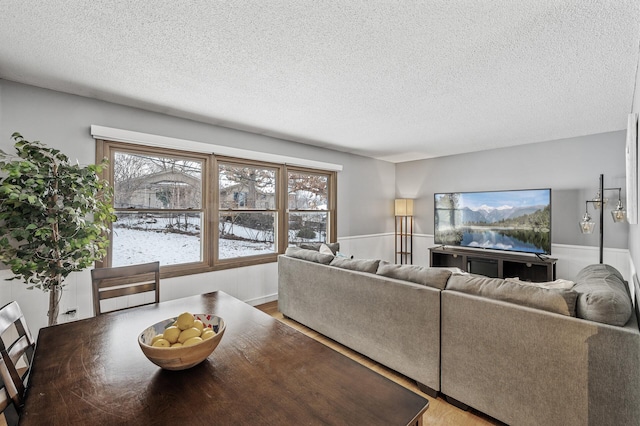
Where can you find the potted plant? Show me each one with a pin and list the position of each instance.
(54, 217)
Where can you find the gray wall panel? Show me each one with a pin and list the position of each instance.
(366, 187)
(570, 167)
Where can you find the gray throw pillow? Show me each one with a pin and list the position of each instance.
(362, 265)
(603, 295)
(431, 277)
(560, 301)
(557, 284)
(335, 247)
(310, 255)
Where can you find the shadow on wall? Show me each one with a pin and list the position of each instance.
(566, 210)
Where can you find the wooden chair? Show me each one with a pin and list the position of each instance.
(16, 349)
(125, 281)
(8, 408)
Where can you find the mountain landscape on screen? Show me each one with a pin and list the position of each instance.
(488, 214)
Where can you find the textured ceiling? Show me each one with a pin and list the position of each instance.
(395, 80)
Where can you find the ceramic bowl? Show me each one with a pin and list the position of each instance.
(181, 358)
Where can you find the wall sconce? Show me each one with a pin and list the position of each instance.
(404, 230)
(619, 215)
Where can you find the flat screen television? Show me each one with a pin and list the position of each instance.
(517, 220)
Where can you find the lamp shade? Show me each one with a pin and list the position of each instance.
(586, 225)
(404, 207)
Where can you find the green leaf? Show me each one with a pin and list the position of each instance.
(40, 191)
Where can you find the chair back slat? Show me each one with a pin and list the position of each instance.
(7, 405)
(109, 283)
(16, 355)
(127, 291)
(13, 382)
(9, 314)
(20, 347)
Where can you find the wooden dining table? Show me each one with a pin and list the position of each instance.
(93, 372)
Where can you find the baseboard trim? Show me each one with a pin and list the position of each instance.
(263, 299)
(359, 237)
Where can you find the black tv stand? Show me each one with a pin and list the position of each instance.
(495, 264)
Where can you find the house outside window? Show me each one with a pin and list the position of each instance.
(248, 209)
(159, 209)
(310, 209)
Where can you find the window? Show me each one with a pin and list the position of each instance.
(159, 207)
(310, 207)
(197, 212)
(248, 209)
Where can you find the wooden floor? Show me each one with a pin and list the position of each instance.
(439, 412)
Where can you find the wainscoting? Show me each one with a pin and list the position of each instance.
(253, 284)
(571, 258)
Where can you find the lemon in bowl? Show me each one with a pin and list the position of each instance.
(176, 344)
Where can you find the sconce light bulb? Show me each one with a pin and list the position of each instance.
(619, 214)
(586, 226)
(599, 201)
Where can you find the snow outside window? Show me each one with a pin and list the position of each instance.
(158, 202)
(247, 210)
(197, 212)
(308, 206)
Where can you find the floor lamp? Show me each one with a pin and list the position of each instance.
(404, 230)
(618, 214)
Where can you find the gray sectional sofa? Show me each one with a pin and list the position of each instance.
(523, 354)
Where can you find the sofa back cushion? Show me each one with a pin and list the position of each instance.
(334, 247)
(603, 295)
(431, 277)
(560, 301)
(362, 265)
(310, 255)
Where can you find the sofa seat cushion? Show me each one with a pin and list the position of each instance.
(310, 255)
(560, 301)
(362, 265)
(431, 277)
(603, 295)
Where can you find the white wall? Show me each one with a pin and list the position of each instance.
(254, 285)
(571, 258)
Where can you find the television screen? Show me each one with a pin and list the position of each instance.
(518, 220)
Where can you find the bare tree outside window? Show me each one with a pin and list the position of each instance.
(308, 200)
(197, 212)
(157, 198)
(247, 209)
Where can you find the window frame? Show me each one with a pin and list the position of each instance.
(211, 205)
(259, 258)
(331, 200)
(108, 149)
